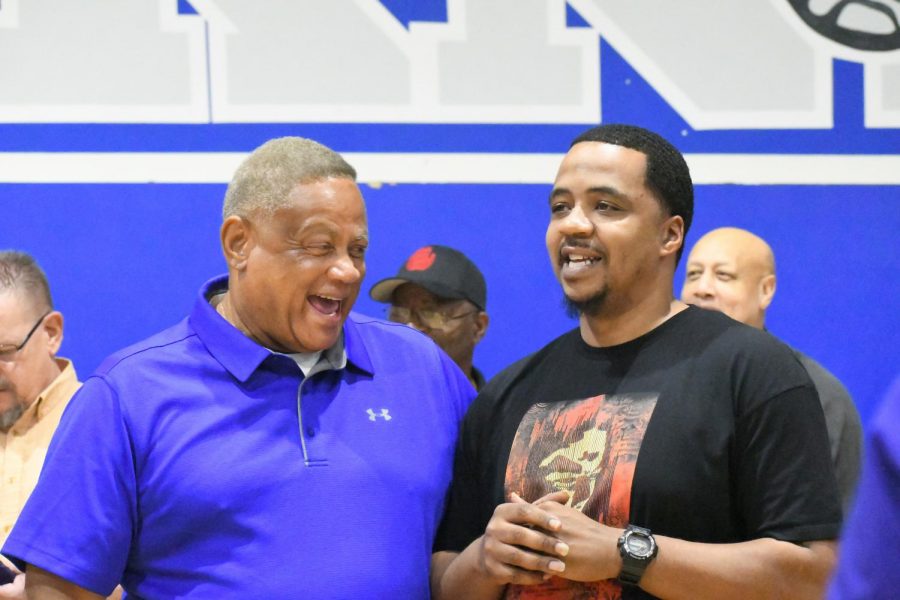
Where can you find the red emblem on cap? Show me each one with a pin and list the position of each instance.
(421, 259)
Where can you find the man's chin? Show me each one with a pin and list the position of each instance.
(590, 306)
(315, 343)
(8, 416)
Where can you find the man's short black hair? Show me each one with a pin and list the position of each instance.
(667, 174)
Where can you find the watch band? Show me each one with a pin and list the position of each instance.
(632, 570)
(633, 565)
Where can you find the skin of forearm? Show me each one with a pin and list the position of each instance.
(764, 568)
(460, 576)
(43, 585)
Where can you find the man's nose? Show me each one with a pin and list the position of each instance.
(704, 286)
(576, 223)
(345, 270)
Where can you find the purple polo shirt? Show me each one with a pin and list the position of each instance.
(181, 469)
(870, 542)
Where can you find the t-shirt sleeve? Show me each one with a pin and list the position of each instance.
(844, 427)
(463, 522)
(471, 499)
(78, 522)
(786, 485)
(460, 389)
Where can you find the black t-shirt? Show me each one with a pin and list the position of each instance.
(703, 429)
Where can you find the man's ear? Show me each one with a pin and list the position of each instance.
(52, 327)
(236, 235)
(481, 325)
(672, 235)
(766, 290)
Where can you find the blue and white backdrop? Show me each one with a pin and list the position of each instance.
(121, 122)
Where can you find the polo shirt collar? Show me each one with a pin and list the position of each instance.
(355, 347)
(241, 356)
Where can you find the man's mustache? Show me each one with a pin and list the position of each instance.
(582, 244)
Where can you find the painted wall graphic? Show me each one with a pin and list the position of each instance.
(121, 123)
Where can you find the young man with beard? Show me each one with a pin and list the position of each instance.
(271, 445)
(656, 450)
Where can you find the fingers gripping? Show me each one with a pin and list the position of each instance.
(518, 545)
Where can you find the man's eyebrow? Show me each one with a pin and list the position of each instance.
(559, 191)
(606, 190)
(600, 189)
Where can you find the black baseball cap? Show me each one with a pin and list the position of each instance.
(441, 270)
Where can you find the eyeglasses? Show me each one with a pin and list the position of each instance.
(432, 319)
(8, 352)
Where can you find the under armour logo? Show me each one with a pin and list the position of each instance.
(384, 414)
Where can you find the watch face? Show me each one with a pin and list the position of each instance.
(638, 546)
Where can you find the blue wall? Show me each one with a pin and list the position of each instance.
(127, 260)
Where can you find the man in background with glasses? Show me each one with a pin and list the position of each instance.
(440, 292)
(35, 385)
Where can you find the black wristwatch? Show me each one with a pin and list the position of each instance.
(638, 548)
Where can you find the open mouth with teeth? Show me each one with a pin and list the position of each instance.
(578, 262)
(327, 305)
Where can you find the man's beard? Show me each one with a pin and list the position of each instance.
(9, 417)
(590, 307)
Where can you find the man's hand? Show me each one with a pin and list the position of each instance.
(593, 554)
(14, 590)
(519, 544)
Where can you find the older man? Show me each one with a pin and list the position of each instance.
(35, 385)
(733, 271)
(442, 293)
(657, 449)
(272, 444)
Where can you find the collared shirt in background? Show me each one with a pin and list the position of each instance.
(24, 446)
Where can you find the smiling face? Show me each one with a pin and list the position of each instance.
(295, 274)
(608, 234)
(732, 271)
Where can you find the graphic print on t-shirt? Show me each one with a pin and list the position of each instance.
(589, 448)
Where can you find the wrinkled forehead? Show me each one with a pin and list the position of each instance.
(741, 253)
(333, 199)
(710, 253)
(331, 189)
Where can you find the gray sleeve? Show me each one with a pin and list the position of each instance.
(844, 427)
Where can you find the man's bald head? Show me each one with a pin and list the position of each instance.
(733, 271)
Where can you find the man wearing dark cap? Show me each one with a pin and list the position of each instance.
(440, 292)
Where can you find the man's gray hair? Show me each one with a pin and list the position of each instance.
(267, 176)
(19, 272)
